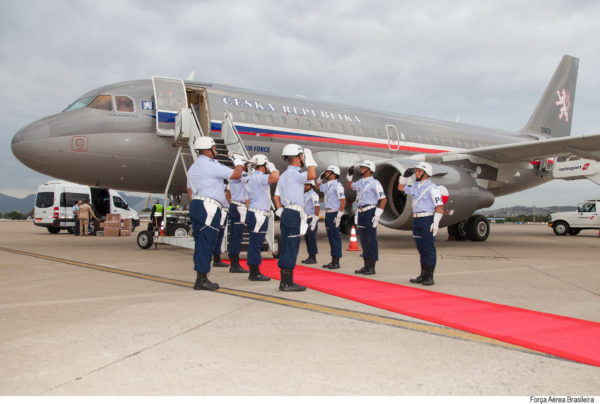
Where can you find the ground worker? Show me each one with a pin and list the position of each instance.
(85, 214)
(259, 210)
(156, 214)
(236, 196)
(207, 196)
(288, 200)
(371, 202)
(312, 209)
(335, 202)
(427, 208)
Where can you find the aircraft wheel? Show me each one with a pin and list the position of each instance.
(457, 231)
(145, 239)
(561, 228)
(53, 230)
(478, 228)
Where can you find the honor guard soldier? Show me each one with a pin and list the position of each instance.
(236, 195)
(259, 210)
(427, 207)
(371, 202)
(206, 192)
(335, 202)
(217, 263)
(289, 199)
(312, 210)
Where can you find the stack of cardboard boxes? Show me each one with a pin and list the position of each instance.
(112, 226)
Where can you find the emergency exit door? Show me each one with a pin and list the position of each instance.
(169, 99)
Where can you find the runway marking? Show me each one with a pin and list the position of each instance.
(351, 314)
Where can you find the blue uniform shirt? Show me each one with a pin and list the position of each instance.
(425, 195)
(238, 188)
(291, 186)
(333, 192)
(207, 175)
(369, 191)
(311, 201)
(259, 193)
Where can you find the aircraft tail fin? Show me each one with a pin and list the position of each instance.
(554, 112)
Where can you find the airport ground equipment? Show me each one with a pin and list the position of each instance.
(571, 223)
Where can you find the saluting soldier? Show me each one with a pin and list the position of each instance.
(335, 202)
(207, 196)
(236, 195)
(259, 210)
(428, 208)
(289, 199)
(312, 210)
(371, 201)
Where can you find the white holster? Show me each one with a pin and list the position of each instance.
(242, 210)
(224, 213)
(303, 223)
(211, 211)
(260, 219)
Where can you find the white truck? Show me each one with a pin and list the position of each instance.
(54, 202)
(585, 217)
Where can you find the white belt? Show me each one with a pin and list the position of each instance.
(331, 210)
(367, 207)
(423, 214)
(294, 207)
(211, 200)
(238, 203)
(262, 212)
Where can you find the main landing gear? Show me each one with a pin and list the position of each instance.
(476, 228)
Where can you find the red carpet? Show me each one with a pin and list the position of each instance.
(566, 337)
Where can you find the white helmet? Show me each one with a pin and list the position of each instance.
(370, 164)
(333, 169)
(310, 182)
(291, 150)
(425, 167)
(259, 160)
(204, 143)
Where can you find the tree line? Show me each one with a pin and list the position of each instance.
(14, 215)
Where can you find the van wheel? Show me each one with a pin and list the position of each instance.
(53, 230)
(145, 239)
(574, 232)
(71, 230)
(561, 228)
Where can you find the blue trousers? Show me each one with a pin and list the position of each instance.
(76, 229)
(236, 231)
(219, 240)
(290, 238)
(311, 238)
(205, 237)
(333, 234)
(424, 240)
(368, 235)
(256, 239)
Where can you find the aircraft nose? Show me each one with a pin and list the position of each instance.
(28, 145)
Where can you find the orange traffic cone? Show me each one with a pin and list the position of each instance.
(353, 241)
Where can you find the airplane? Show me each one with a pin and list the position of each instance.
(129, 136)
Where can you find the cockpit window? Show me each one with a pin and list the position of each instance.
(102, 102)
(80, 103)
(124, 103)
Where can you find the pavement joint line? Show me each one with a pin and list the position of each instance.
(338, 312)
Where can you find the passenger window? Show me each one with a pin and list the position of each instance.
(102, 102)
(124, 103)
(44, 199)
(68, 199)
(119, 203)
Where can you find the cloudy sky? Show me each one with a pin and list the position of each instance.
(486, 62)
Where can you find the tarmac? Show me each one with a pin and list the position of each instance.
(99, 316)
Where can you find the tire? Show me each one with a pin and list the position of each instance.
(180, 230)
(71, 230)
(458, 231)
(574, 232)
(561, 228)
(145, 239)
(53, 230)
(478, 228)
(278, 242)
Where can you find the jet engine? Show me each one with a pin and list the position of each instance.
(465, 197)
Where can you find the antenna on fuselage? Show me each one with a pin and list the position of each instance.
(190, 76)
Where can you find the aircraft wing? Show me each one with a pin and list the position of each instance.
(587, 146)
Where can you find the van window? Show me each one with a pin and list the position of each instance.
(68, 199)
(44, 199)
(119, 203)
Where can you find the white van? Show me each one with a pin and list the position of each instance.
(55, 199)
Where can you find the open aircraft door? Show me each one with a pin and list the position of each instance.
(169, 99)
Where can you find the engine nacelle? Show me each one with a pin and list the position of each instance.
(465, 195)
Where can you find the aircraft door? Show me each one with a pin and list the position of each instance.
(393, 137)
(169, 99)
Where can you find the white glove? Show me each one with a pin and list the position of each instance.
(309, 161)
(238, 159)
(404, 180)
(313, 223)
(350, 173)
(278, 212)
(271, 167)
(435, 226)
(378, 213)
(321, 178)
(338, 219)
